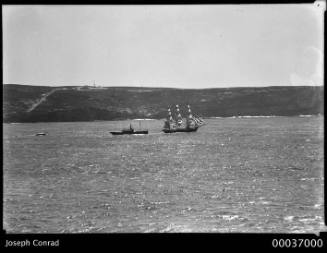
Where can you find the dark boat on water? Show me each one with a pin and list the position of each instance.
(40, 134)
(190, 124)
(130, 130)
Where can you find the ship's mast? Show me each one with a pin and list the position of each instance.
(190, 123)
(189, 112)
(170, 117)
(179, 116)
(169, 123)
(193, 122)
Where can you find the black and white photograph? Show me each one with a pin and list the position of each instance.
(185, 118)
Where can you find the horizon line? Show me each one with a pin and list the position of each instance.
(162, 87)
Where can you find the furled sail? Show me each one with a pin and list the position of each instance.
(193, 122)
(198, 120)
(170, 122)
(179, 117)
(190, 123)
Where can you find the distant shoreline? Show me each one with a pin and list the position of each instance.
(129, 120)
(23, 103)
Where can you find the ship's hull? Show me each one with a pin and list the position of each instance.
(131, 132)
(179, 130)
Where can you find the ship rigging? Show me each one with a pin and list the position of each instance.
(178, 124)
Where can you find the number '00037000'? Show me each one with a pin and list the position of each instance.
(297, 243)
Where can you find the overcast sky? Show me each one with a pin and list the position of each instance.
(184, 46)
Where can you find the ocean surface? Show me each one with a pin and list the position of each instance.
(233, 175)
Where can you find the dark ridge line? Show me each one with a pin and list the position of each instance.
(171, 88)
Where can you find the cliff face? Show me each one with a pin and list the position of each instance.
(22, 103)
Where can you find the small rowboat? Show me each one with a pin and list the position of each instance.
(40, 134)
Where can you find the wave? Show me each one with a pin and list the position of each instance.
(245, 116)
(263, 116)
(178, 228)
(229, 217)
(304, 116)
(144, 119)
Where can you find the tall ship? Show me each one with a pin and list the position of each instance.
(179, 124)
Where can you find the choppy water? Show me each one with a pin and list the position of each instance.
(233, 175)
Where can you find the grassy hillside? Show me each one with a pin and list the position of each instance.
(22, 103)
